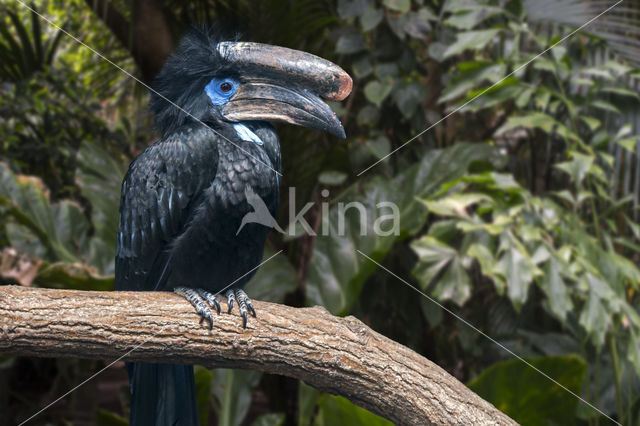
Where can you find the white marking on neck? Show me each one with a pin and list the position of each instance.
(246, 134)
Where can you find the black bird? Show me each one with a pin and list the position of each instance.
(183, 199)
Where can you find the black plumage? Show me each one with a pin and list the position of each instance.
(184, 198)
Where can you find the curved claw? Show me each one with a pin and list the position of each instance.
(244, 304)
(199, 299)
(209, 318)
(253, 311)
(217, 305)
(230, 299)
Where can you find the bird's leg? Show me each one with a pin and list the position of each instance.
(243, 303)
(199, 299)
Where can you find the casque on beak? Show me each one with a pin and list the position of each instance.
(281, 84)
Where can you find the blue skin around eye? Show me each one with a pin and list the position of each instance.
(217, 96)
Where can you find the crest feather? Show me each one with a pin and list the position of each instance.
(183, 77)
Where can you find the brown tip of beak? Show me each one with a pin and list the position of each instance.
(344, 87)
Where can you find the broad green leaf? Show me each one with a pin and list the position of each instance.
(454, 6)
(527, 396)
(371, 18)
(337, 272)
(472, 16)
(336, 410)
(577, 167)
(484, 257)
(232, 390)
(379, 146)
(597, 72)
(307, 401)
(470, 40)
(203, 378)
(376, 91)
(352, 8)
(524, 97)
(591, 122)
(274, 279)
(539, 120)
(490, 96)
(350, 42)
(433, 257)
(401, 6)
(556, 290)
(628, 143)
(456, 204)
(417, 23)
(61, 228)
(622, 91)
(518, 270)
(605, 106)
(471, 74)
(595, 319)
(454, 284)
(408, 97)
(440, 262)
(423, 180)
(99, 177)
(73, 276)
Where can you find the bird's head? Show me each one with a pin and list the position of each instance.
(226, 82)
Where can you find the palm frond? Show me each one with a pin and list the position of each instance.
(619, 27)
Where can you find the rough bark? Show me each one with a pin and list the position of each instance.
(337, 355)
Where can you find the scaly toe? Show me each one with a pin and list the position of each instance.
(198, 301)
(230, 299)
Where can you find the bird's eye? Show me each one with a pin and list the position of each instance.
(220, 90)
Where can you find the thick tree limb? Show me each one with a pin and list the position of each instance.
(337, 355)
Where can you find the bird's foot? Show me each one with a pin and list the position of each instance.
(202, 300)
(244, 303)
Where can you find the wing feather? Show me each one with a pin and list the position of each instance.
(160, 190)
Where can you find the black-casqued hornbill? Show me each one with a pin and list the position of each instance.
(184, 197)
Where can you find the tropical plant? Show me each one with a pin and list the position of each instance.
(26, 52)
(514, 175)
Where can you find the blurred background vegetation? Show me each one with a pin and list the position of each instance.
(519, 213)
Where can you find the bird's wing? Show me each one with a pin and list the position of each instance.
(159, 191)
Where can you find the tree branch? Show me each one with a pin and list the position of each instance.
(337, 355)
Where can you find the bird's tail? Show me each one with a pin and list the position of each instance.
(162, 395)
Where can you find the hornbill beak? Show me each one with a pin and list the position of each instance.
(263, 95)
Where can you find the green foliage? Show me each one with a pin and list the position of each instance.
(25, 52)
(337, 272)
(108, 418)
(519, 240)
(334, 410)
(527, 396)
(518, 212)
(318, 409)
(232, 391)
(203, 381)
(57, 233)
